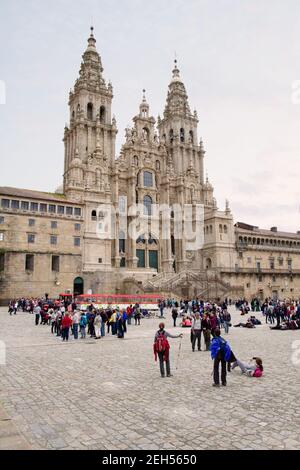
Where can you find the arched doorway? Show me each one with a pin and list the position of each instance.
(78, 286)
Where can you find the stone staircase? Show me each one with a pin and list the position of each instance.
(202, 284)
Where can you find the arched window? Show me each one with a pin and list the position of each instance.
(225, 229)
(173, 245)
(122, 204)
(171, 136)
(147, 205)
(191, 134)
(90, 111)
(135, 161)
(94, 215)
(220, 229)
(211, 229)
(182, 135)
(145, 134)
(157, 165)
(148, 179)
(102, 114)
(78, 108)
(122, 242)
(73, 115)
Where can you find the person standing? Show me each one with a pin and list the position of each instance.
(53, 321)
(196, 332)
(75, 319)
(226, 320)
(83, 323)
(206, 329)
(161, 349)
(97, 325)
(174, 315)
(120, 326)
(113, 322)
(103, 323)
(37, 311)
(137, 316)
(124, 320)
(65, 325)
(220, 353)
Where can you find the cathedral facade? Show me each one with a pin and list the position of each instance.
(118, 226)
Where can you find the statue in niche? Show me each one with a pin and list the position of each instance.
(144, 136)
(128, 134)
(133, 136)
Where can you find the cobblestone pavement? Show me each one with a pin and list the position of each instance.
(109, 395)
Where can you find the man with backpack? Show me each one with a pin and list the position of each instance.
(161, 349)
(220, 353)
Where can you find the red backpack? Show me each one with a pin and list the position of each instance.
(161, 343)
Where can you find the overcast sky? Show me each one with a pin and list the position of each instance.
(238, 60)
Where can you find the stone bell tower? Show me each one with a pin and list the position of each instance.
(90, 137)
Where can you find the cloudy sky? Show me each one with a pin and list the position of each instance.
(239, 60)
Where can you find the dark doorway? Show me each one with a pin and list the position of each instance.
(78, 286)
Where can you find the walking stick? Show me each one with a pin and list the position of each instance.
(179, 353)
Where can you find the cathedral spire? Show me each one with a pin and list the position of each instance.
(177, 99)
(176, 72)
(91, 40)
(90, 74)
(144, 106)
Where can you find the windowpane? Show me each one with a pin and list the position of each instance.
(2, 220)
(29, 263)
(2, 262)
(31, 222)
(52, 209)
(53, 240)
(60, 210)
(77, 227)
(55, 263)
(140, 254)
(77, 211)
(43, 207)
(31, 238)
(5, 203)
(147, 205)
(148, 179)
(153, 259)
(76, 241)
(34, 207)
(53, 224)
(15, 204)
(69, 210)
(25, 205)
(1, 236)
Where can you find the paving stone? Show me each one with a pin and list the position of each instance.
(115, 398)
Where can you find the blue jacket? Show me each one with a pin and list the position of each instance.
(216, 347)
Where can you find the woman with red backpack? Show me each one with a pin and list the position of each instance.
(161, 349)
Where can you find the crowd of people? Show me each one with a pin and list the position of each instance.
(65, 318)
(205, 319)
(284, 313)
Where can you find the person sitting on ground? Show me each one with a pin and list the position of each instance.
(255, 369)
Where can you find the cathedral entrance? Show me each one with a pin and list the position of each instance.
(78, 286)
(147, 252)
